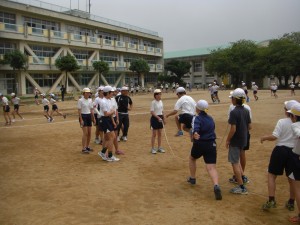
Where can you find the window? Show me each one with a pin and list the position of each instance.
(83, 78)
(43, 51)
(41, 24)
(6, 47)
(81, 54)
(7, 18)
(108, 57)
(8, 83)
(198, 67)
(44, 80)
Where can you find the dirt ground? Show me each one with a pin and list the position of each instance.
(44, 178)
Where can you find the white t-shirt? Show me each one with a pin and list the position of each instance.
(254, 87)
(296, 133)
(52, 101)
(114, 105)
(186, 104)
(97, 105)
(284, 133)
(157, 107)
(45, 102)
(106, 106)
(231, 107)
(15, 100)
(4, 101)
(85, 105)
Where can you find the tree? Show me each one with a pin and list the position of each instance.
(140, 66)
(101, 67)
(67, 63)
(294, 37)
(178, 69)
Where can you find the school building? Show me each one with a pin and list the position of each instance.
(44, 32)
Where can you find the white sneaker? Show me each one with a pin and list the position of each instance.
(113, 159)
(49, 120)
(153, 151)
(13, 120)
(124, 138)
(102, 155)
(97, 141)
(118, 138)
(161, 150)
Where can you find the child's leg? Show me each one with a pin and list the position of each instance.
(153, 138)
(159, 131)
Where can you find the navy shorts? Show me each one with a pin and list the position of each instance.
(207, 149)
(255, 92)
(279, 160)
(155, 124)
(186, 119)
(6, 108)
(16, 107)
(106, 124)
(54, 107)
(87, 120)
(46, 108)
(294, 161)
(248, 142)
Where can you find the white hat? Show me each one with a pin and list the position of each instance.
(13, 94)
(157, 91)
(295, 110)
(113, 88)
(124, 88)
(202, 105)
(253, 82)
(107, 89)
(238, 93)
(52, 95)
(100, 88)
(180, 90)
(84, 90)
(230, 94)
(209, 85)
(1, 94)
(288, 104)
(43, 95)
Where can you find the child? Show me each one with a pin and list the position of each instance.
(15, 101)
(279, 158)
(254, 89)
(295, 159)
(45, 104)
(204, 144)
(54, 107)
(157, 121)
(6, 109)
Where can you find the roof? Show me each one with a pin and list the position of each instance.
(192, 52)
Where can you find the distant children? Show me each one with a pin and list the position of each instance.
(203, 133)
(54, 107)
(157, 121)
(15, 101)
(254, 88)
(6, 109)
(45, 104)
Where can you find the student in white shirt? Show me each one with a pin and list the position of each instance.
(86, 117)
(45, 104)
(280, 155)
(6, 109)
(15, 101)
(54, 107)
(157, 121)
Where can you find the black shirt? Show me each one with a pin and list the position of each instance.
(123, 101)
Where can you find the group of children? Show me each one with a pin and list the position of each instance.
(46, 103)
(6, 108)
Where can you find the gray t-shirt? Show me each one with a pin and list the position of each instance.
(239, 117)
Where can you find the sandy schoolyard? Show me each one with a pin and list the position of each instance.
(45, 180)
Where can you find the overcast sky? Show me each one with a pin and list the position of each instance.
(188, 24)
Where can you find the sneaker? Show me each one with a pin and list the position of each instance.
(118, 138)
(232, 180)
(124, 138)
(102, 155)
(191, 180)
(217, 191)
(161, 150)
(112, 159)
(13, 120)
(85, 151)
(49, 120)
(97, 141)
(269, 205)
(120, 152)
(239, 190)
(290, 206)
(179, 133)
(89, 149)
(153, 150)
(245, 180)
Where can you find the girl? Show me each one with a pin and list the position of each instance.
(86, 116)
(157, 121)
(6, 109)
(15, 101)
(45, 103)
(36, 96)
(54, 107)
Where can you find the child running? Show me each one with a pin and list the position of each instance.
(45, 104)
(54, 107)
(157, 121)
(6, 109)
(15, 101)
(204, 144)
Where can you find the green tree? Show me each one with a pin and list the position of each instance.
(140, 66)
(67, 63)
(178, 69)
(294, 37)
(101, 67)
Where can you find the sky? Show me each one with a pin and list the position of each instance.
(191, 24)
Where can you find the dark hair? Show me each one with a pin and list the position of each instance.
(239, 101)
(297, 118)
(156, 94)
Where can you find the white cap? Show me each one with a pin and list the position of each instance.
(1, 94)
(124, 88)
(113, 88)
(209, 85)
(43, 95)
(253, 82)
(230, 94)
(100, 88)
(157, 91)
(180, 90)
(295, 110)
(13, 94)
(238, 93)
(107, 89)
(202, 105)
(52, 95)
(288, 104)
(84, 90)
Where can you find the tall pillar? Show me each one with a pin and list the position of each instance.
(21, 79)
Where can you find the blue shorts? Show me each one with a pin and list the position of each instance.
(186, 119)
(54, 107)
(16, 107)
(46, 108)
(279, 160)
(6, 108)
(294, 161)
(207, 149)
(106, 124)
(155, 124)
(87, 120)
